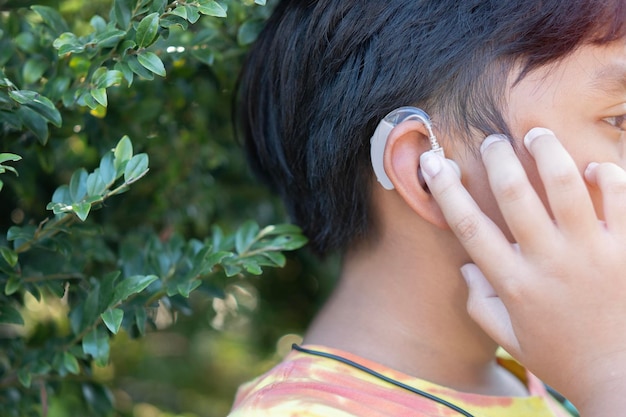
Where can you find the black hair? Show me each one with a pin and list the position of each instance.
(322, 74)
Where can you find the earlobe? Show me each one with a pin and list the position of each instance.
(405, 143)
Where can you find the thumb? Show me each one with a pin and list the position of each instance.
(487, 309)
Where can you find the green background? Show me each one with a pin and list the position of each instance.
(193, 358)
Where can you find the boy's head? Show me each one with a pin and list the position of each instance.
(324, 73)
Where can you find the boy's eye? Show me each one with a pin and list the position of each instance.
(617, 121)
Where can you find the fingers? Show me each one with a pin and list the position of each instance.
(485, 308)
(567, 194)
(517, 199)
(477, 233)
(611, 180)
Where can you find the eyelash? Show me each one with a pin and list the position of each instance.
(617, 121)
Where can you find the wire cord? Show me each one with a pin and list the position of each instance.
(384, 378)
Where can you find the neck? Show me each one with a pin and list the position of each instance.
(407, 311)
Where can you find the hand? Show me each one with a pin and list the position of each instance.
(556, 300)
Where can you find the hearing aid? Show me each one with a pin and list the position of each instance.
(379, 140)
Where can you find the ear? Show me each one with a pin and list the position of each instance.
(405, 143)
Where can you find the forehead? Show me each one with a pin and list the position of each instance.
(582, 86)
(590, 71)
(600, 67)
(610, 78)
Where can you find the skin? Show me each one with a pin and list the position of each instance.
(401, 299)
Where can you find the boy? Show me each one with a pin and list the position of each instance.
(396, 338)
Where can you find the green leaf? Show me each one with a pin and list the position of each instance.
(277, 258)
(68, 43)
(122, 11)
(91, 307)
(26, 42)
(186, 288)
(38, 103)
(33, 70)
(113, 78)
(86, 99)
(231, 269)
(98, 77)
(180, 11)
(100, 95)
(58, 208)
(13, 285)
(9, 256)
(289, 242)
(126, 71)
(78, 185)
(211, 8)
(126, 46)
(151, 62)
(10, 315)
(24, 377)
(123, 152)
(147, 30)
(107, 168)
(70, 363)
(204, 55)
(249, 31)
(81, 210)
(136, 168)
(95, 184)
(107, 290)
(56, 88)
(98, 23)
(51, 18)
(157, 6)
(96, 344)
(21, 233)
(193, 13)
(132, 285)
(172, 20)
(62, 195)
(4, 157)
(204, 261)
(34, 122)
(112, 318)
(245, 236)
(252, 267)
(137, 68)
(280, 229)
(140, 320)
(104, 78)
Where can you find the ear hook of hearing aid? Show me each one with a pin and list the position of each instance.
(379, 139)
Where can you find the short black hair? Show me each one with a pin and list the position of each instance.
(322, 74)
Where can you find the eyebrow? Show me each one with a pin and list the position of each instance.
(610, 79)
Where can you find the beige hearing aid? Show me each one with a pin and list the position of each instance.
(379, 139)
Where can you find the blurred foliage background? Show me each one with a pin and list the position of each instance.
(78, 75)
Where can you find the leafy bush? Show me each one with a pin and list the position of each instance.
(78, 80)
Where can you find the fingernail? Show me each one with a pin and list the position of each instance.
(589, 171)
(466, 272)
(431, 164)
(491, 139)
(534, 133)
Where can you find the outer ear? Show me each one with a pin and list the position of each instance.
(405, 144)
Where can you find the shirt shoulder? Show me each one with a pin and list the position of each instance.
(306, 385)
